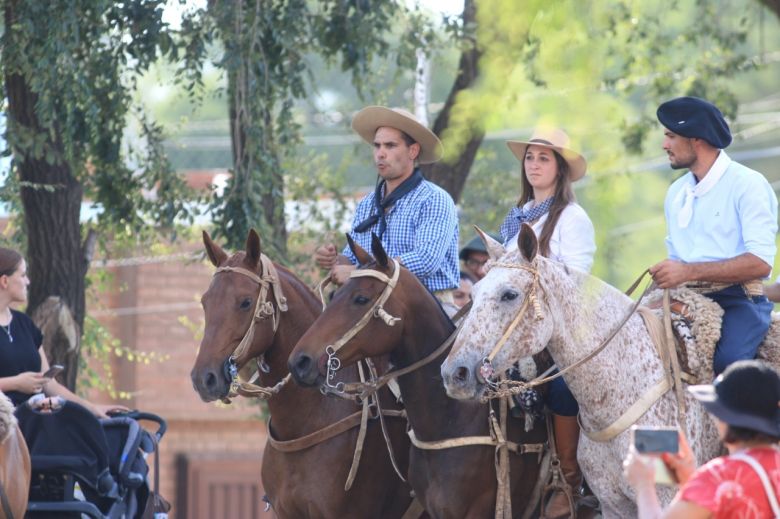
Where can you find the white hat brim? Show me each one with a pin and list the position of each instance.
(577, 163)
(369, 119)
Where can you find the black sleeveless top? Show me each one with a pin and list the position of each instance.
(21, 354)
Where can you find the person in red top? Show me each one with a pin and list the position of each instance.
(745, 401)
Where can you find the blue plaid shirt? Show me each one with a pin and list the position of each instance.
(422, 231)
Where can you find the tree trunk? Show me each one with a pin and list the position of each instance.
(51, 197)
(256, 196)
(773, 5)
(256, 167)
(452, 176)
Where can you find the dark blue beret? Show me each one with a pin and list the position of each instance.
(695, 118)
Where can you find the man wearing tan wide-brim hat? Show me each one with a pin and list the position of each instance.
(415, 219)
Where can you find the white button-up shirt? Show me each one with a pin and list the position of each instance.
(573, 241)
(738, 214)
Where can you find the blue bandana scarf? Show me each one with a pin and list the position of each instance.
(518, 216)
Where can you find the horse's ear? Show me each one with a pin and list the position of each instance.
(378, 251)
(527, 243)
(362, 256)
(494, 249)
(252, 249)
(213, 251)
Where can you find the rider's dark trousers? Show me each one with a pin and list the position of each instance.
(560, 400)
(746, 320)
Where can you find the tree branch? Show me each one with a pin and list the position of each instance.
(452, 176)
(773, 5)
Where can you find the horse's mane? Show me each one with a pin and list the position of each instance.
(415, 281)
(579, 279)
(297, 282)
(7, 418)
(239, 256)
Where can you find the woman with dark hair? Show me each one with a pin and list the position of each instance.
(745, 402)
(22, 361)
(547, 204)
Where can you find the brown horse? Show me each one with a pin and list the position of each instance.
(452, 482)
(308, 482)
(14, 464)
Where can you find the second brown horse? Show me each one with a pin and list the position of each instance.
(451, 483)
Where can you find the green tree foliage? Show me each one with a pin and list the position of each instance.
(69, 71)
(265, 49)
(598, 69)
(576, 63)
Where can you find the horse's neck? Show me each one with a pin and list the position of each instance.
(582, 324)
(295, 410)
(431, 413)
(303, 308)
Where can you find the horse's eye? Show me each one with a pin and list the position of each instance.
(360, 300)
(246, 304)
(509, 295)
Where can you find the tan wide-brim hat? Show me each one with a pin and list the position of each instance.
(370, 118)
(556, 139)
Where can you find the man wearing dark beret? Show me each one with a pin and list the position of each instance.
(721, 220)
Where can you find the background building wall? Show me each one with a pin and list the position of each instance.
(143, 307)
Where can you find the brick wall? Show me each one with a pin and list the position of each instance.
(148, 301)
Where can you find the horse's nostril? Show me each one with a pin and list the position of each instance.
(303, 364)
(211, 380)
(461, 374)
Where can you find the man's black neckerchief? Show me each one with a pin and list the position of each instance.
(381, 205)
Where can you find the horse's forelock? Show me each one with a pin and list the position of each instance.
(374, 265)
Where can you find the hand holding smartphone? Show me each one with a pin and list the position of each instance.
(53, 371)
(654, 441)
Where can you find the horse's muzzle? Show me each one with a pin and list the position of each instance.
(210, 384)
(305, 370)
(460, 381)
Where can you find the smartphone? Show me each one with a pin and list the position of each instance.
(655, 440)
(652, 442)
(53, 371)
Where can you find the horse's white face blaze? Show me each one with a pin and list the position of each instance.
(497, 300)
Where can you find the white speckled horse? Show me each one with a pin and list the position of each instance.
(576, 312)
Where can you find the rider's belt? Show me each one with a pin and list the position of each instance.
(445, 296)
(752, 288)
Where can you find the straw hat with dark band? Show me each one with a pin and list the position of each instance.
(557, 140)
(369, 119)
